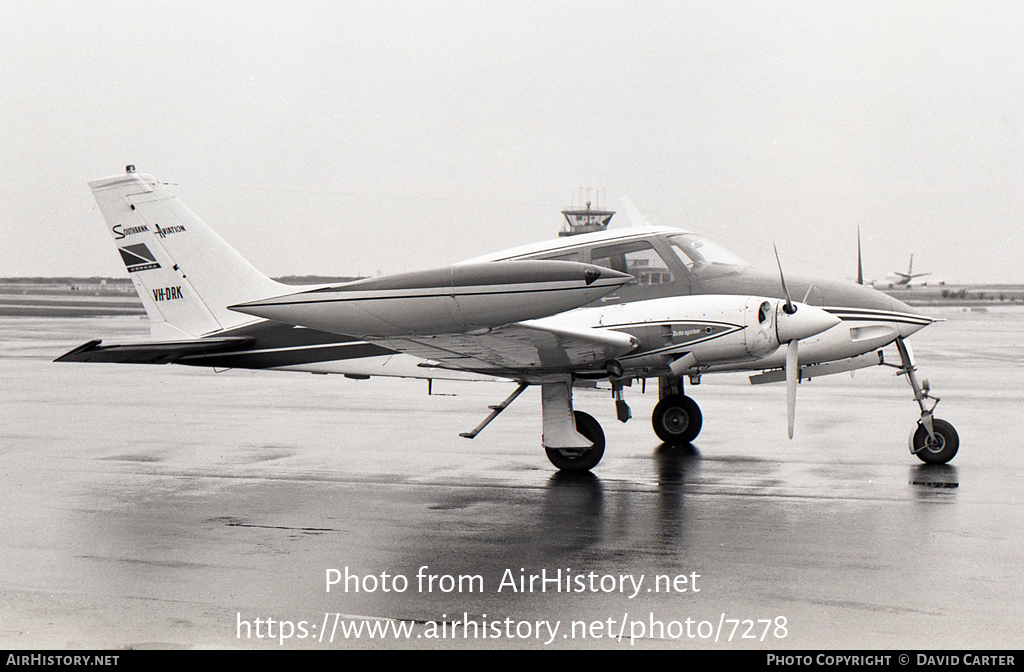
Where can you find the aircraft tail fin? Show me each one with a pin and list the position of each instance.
(185, 274)
(860, 263)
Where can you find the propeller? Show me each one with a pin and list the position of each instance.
(790, 327)
(807, 293)
(792, 351)
(792, 374)
(790, 308)
(792, 361)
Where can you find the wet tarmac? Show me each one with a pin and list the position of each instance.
(155, 506)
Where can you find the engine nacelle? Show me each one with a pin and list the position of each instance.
(705, 329)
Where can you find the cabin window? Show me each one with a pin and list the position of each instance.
(637, 258)
(700, 255)
(565, 256)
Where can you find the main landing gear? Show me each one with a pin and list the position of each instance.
(580, 459)
(677, 419)
(934, 441)
(574, 441)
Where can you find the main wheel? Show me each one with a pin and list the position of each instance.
(580, 459)
(939, 450)
(677, 419)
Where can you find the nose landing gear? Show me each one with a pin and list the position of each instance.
(934, 441)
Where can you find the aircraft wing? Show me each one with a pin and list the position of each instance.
(156, 352)
(516, 348)
(491, 317)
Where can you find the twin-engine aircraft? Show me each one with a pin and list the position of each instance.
(621, 305)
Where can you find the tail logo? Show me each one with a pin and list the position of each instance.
(165, 231)
(138, 258)
(120, 231)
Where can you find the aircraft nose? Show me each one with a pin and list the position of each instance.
(911, 320)
(804, 323)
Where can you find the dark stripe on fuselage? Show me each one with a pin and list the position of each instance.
(867, 315)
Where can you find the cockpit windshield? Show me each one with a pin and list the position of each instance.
(702, 257)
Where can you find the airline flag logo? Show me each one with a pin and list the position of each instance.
(138, 258)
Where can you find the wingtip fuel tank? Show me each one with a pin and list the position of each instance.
(452, 299)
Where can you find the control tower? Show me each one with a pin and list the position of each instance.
(585, 220)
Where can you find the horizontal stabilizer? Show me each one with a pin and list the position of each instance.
(158, 352)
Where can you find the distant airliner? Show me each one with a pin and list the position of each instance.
(894, 279)
(902, 279)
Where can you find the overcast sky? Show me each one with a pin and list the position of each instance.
(362, 137)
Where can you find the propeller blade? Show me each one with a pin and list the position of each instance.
(809, 288)
(792, 374)
(789, 308)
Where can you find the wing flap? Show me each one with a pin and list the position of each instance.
(157, 352)
(518, 348)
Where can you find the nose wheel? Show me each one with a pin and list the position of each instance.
(934, 441)
(939, 447)
(677, 419)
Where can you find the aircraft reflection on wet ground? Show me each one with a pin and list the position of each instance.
(158, 506)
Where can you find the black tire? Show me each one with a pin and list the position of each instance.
(580, 459)
(677, 419)
(938, 451)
